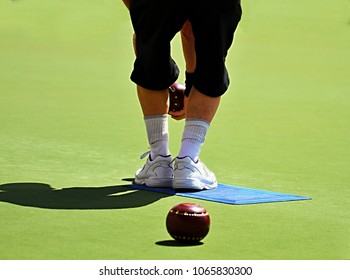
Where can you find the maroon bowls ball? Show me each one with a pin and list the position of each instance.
(176, 97)
(188, 222)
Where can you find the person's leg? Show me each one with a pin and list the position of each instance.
(188, 49)
(153, 102)
(190, 172)
(154, 106)
(158, 169)
(187, 41)
(201, 106)
(201, 110)
(154, 71)
(213, 37)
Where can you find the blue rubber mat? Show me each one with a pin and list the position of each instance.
(230, 194)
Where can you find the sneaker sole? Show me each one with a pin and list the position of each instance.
(193, 184)
(155, 182)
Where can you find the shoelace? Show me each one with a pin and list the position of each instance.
(145, 154)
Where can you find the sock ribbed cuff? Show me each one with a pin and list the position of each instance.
(193, 138)
(157, 134)
(157, 128)
(195, 130)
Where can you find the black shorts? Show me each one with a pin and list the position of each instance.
(156, 22)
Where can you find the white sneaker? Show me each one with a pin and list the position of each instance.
(192, 175)
(156, 173)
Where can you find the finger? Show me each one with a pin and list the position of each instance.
(178, 118)
(177, 113)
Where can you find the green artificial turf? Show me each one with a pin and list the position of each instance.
(71, 129)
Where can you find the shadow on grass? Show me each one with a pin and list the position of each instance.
(42, 195)
(174, 243)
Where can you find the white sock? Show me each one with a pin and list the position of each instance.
(193, 138)
(158, 135)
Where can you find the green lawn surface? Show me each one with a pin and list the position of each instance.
(71, 129)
